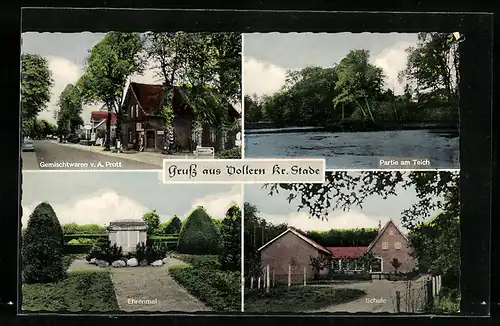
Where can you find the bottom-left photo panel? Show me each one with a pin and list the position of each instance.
(118, 242)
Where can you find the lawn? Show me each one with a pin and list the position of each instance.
(80, 291)
(297, 298)
(218, 289)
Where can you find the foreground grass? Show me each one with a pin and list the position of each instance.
(446, 303)
(80, 291)
(220, 290)
(297, 298)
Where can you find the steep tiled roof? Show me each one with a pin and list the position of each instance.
(103, 115)
(149, 96)
(347, 252)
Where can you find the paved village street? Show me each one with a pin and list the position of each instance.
(80, 157)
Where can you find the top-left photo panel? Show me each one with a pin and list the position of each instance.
(127, 101)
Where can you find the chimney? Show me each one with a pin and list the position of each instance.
(379, 225)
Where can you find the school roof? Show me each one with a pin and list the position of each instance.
(300, 235)
(341, 252)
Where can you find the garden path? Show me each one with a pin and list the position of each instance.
(81, 264)
(155, 286)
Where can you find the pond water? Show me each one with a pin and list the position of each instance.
(358, 150)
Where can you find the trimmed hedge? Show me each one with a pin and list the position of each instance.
(77, 248)
(169, 245)
(199, 234)
(42, 247)
(164, 238)
(69, 237)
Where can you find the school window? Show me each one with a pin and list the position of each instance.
(213, 135)
(385, 245)
(397, 245)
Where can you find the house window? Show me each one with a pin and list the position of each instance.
(131, 111)
(385, 245)
(213, 135)
(397, 245)
(391, 232)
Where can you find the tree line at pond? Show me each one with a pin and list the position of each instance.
(352, 91)
(44, 242)
(206, 64)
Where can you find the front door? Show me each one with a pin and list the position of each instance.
(377, 266)
(150, 139)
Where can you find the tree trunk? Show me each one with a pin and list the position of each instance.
(107, 143)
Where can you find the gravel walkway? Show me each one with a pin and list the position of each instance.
(152, 289)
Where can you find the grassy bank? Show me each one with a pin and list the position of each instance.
(80, 291)
(203, 278)
(297, 298)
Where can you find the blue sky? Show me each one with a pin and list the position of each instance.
(267, 56)
(276, 209)
(99, 197)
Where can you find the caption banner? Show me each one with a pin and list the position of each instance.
(244, 171)
(404, 163)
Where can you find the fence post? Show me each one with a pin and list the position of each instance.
(430, 298)
(268, 283)
(289, 275)
(434, 286)
(398, 302)
(305, 277)
(258, 283)
(251, 282)
(274, 278)
(439, 284)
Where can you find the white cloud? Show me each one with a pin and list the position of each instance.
(106, 205)
(97, 208)
(345, 220)
(66, 72)
(217, 205)
(393, 60)
(262, 77)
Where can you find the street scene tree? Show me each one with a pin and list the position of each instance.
(68, 114)
(110, 63)
(36, 84)
(207, 67)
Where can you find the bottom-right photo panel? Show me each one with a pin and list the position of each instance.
(364, 241)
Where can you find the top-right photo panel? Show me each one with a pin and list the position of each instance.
(359, 100)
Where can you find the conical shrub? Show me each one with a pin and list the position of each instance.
(42, 247)
(199, 235)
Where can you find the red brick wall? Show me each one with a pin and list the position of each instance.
(403, 254)
(289, 249)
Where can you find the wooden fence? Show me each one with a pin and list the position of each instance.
(270, 279)
(417, 299)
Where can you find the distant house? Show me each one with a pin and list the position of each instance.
(98, 123)
(143, 122)
(293, 248)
